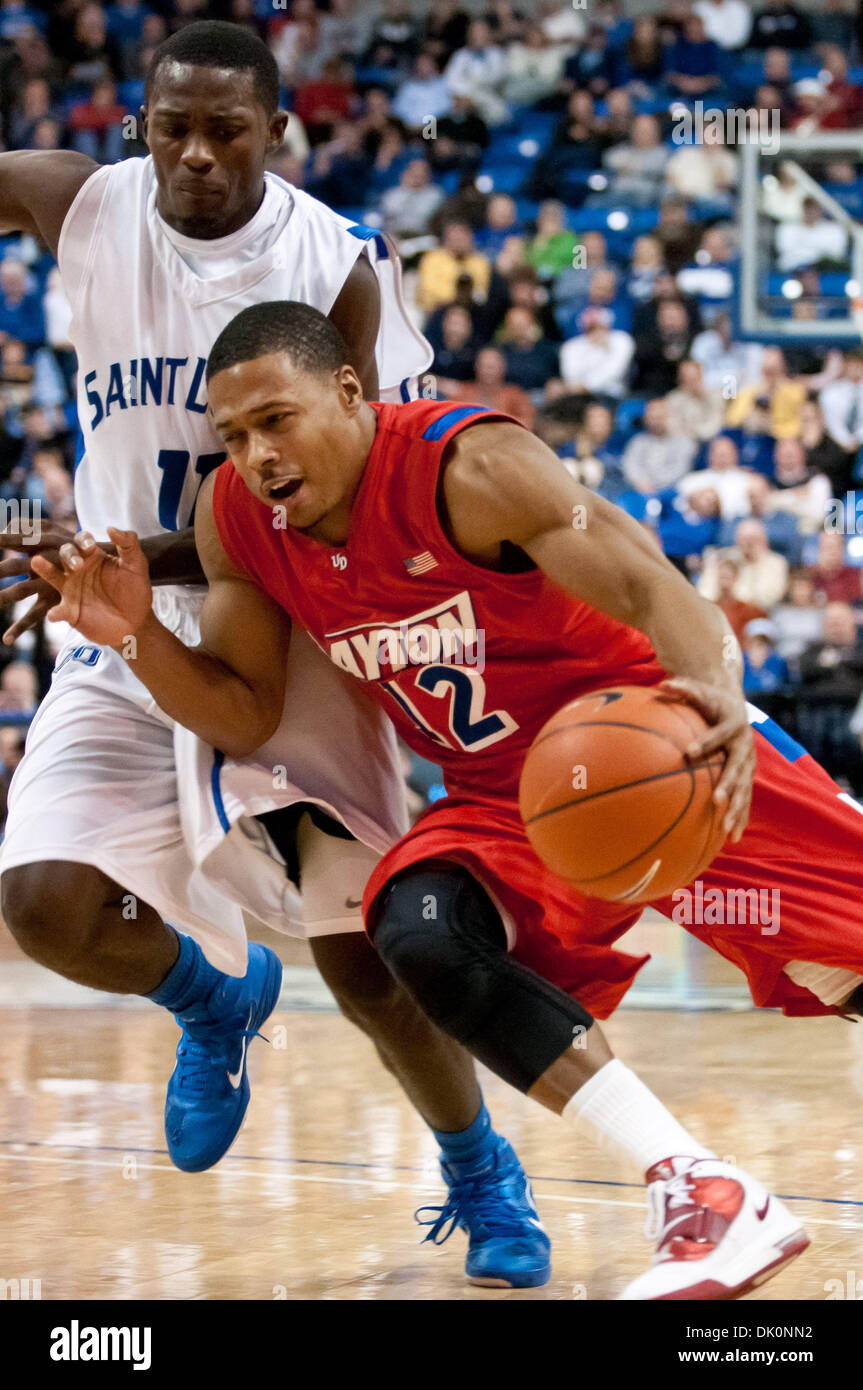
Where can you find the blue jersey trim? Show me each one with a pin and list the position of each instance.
(80, 448)
(405, 390)
(215, 786)
(439, 427)
(363, 233)
(790, 749)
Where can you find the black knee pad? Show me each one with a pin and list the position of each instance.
(442, 938)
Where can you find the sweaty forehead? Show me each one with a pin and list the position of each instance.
(213, 90)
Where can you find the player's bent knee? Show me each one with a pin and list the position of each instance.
(442, 938)
(46, 912)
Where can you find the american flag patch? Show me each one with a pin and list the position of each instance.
(420, 564)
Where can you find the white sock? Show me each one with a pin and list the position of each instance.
(625, 1117)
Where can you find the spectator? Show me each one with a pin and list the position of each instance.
(12, 740)
(534, 66)
(694, 409)
(727, 365)
(764, 670)
(478, 70)
(725, 476)
(395, 36)
(815, 241)
(490, 388)
(455, 345)
(771, 405)
(340, 170)
(763, 576)
(35, 105)
(706, 171)
(692, 62)
(679, 236)
(553, 247)
(656, 457)
(440, 269)
(598, 359)
(19, 689)
(736, 611)
(798, 619)
(637, 64)
(461, 136)
(575, 149)
(833, 579)
(727, 22)
(345, 31)
(21, 313)
(796, 488)
(780, 23)
(322, 102)
(408, 208)
(831, 675)
(782, 197)
(638, 166)
(426, 94)
(446, 29)
(501, 223)
(843, 104)
(645, 265)
(94, 55)
(297, 49)
(842, 403)
(96, 125)
(572, 287)
(658, 354)
(531, 360)
(823, 453)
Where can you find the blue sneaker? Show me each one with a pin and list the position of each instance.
(209, 1090)
(492, 1200)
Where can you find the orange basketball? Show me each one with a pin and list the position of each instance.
(609, 802)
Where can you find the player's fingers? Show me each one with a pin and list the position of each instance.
(735, 786)
(44, 568)
(16, 564)
(739, 803)
(85, 542)
(32, 618)
(71, 557)
(13, 593)
(719, 736)
(129, 551)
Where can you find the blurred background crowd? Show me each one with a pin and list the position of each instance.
(571, 251)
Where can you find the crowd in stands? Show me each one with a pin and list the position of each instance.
(572, 258)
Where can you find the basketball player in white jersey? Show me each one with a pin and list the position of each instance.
(121, 821)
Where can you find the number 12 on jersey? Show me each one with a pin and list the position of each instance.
(471, 727)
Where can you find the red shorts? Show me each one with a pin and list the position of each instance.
(802, 853)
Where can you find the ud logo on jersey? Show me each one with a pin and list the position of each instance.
(145, 381)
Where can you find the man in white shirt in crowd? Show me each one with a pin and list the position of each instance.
(598, 359)
(811, 241)
(695, 410)
(727, 22)
(763, 576)
(725, 476)
(657, 456)
(842, 403)
(727, 365)
(478, 70)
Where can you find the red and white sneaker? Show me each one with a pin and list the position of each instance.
(718, 1232)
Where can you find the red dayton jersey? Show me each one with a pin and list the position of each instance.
(468, 662)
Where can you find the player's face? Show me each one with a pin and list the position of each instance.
(299, 440)
(209, 136)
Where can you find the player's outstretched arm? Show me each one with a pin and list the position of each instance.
(37, 188)
(503, 484)
(230, 690)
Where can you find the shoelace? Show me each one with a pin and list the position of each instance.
(472, 1198)
(200, 1061)
(664, 1196)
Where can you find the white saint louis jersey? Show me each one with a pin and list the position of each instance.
(144, 322)
(107, 778)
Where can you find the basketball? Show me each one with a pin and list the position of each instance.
(609, 802)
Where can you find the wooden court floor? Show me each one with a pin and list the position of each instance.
(316, 1198)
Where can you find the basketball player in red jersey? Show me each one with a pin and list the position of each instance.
(380, 528)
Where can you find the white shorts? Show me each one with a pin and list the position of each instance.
(109, 780)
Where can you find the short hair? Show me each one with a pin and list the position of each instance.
(214, 43)
(312, 342)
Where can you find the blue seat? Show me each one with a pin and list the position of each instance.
(506, 176)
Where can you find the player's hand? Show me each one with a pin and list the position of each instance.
(725, 711)
(30, 540)
(106, 597)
